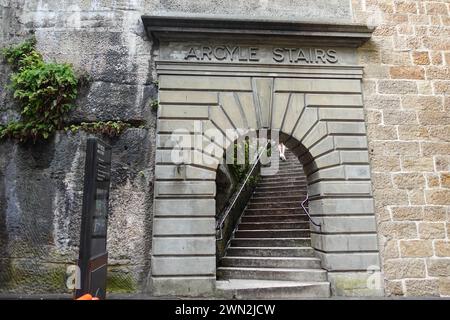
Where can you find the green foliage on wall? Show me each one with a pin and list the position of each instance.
(45, 91)
(108, 128)
(240, 170)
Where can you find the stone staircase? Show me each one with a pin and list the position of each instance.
(270, 254)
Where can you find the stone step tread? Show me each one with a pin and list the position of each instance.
(275, 178)
(290, 238)
(273, 248)
(288, 203)
(276, 215)
(245, 284)
(271, 289)
(293, 191)
(299, 172)
(282, 198)
(284, 185)
(299, 217)
(261, 224)
(272, 230)
(275, 219)
(273, 258)
(269, 209)
(289, 270)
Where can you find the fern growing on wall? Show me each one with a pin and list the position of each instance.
(46, 93)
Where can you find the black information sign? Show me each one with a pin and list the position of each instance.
(93, 257)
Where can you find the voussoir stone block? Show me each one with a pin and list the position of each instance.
(318, 85)
(334, 100)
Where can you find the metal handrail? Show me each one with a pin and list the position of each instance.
(249, 173)
(307, 212)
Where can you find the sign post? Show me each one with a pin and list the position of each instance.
(93, 256)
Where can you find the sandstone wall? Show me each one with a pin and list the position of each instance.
(407, 87)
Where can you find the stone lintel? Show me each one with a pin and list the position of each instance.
(172, 27)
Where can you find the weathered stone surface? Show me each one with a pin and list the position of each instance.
(409, 180)
(394, 288)
(421, 58)
(398, 230)
(435, 213)
(312, 10)
(422, 287)
(438, 267)
(442, 248)
(437, 196)
(405, 72)
(404, 268)
(444, 286)
(407, 213)
(416, 248)
(432, 230)
(397, 87)
(417, 164)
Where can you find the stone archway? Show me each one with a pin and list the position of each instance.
(251, 75)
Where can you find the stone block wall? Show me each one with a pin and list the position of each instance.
(407, 103)
(41, 185)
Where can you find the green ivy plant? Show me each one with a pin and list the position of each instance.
(241, 170)
(46, 92)
(108, 128)
(154, 104)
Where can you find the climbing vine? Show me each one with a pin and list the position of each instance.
(240, 170)
(108, 128)
(46, 93)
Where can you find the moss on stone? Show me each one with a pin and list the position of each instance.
(30, 278)
(120, 283)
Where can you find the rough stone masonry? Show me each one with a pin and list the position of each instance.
(406, 88)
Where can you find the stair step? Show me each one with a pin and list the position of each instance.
(280, 233)
(270, 252)
(282, 188)
(299, 193)
(269, 211)
(271, 262)
(265, 181)
(270, 289)
(274, 218)
(272, 274)
(271, 242)
(271, 199)
(287, 174)
(273, 225)
(280, 204)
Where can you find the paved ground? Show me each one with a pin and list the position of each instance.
(140, 296)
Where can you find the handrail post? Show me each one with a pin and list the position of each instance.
(307, 213)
